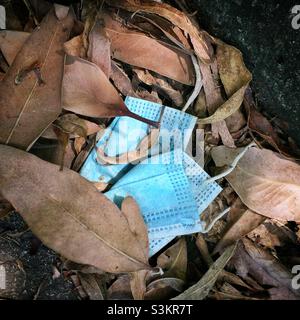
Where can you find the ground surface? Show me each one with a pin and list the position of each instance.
(262, 30)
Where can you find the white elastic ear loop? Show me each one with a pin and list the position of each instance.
(222, 175)
(218, 217)
(232, 166)
(160, 272)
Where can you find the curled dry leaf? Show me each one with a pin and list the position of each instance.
(87, 91)
(138, 284)
(262, 126)
(174, 260)
(30, 94)
(92, 285)
(233, 72)
(227, 108)
(75, 47)
(120, 289)
(201, 289)
(266, 183)
(78, 144)
(214, 100)
(137, 49)
(175, 16)
(11, 43)
(241, 226)
(69, 215)
(99, 48)
(121, 80)
(224, 275)
(163, 289)
(251, 259)
(160, 84)
(235, 78)
(272, 234)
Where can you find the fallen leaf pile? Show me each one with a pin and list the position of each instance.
(64, 75)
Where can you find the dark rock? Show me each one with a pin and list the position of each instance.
(263, 31)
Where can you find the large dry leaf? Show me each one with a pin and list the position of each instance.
(139, 50)
(266, 183)
(30, 93)
(69, 215)
(174, 260)
(11, 42)
(87, 91)
(178, 18)
(201, 289)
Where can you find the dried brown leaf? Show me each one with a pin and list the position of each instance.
(120, 289)
(11, 43)
(175, 16)
(253, 262)
(266, 183)
(243, 224)
(91, 284)
(69, 215)
(201, 289)
(174, 260)
(163, 289)
(30, 93)
(99, 48)
(139, 50)
(87, 91)
(214, 100)
(75, 47)
(138, 284)
(160, 84)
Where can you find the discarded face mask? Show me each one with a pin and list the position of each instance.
(125, 134)
(170, 191)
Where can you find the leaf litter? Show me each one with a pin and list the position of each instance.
(57, 101)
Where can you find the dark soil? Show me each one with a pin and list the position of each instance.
(37, 261)
(263, 31)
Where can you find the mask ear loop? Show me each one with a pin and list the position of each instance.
(231, 166)
(222, 175)
(140, 153)
(218, 217)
